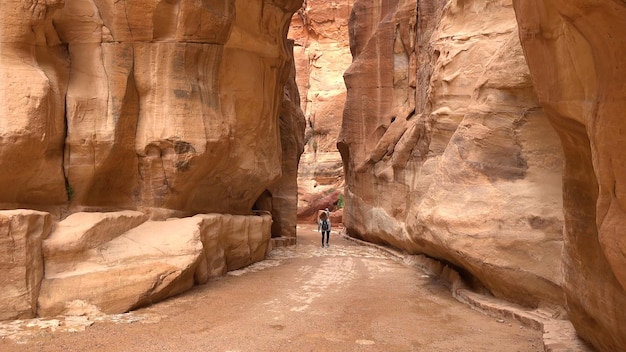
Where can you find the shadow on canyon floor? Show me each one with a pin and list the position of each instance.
(303, 298)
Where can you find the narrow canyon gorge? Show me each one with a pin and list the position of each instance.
(149, 146)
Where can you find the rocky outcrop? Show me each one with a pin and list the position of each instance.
(446, 149)
(143, 110)
(322, 54)
(21, 261)
(576, 50)
(32, 95)
(233, 241)
(119, 261)
(142, 265)
(113, 262)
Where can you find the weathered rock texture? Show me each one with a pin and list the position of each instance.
(119, 261)
(157, 112)
(21, 261)
(143, 105)
(446, 149)
(33, 81)
(284, 192)
(164, 108)
(576, 50)
(322, 54)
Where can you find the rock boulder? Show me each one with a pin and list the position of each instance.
(118, 261)
(21, 261)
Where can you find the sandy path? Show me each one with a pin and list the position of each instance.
(304, 298)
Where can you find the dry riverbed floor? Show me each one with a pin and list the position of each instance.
(346, 297)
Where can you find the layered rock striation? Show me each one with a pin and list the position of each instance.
(166, 109)
(446, 149)
(576, 51)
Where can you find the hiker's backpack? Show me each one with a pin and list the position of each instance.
(325, 225)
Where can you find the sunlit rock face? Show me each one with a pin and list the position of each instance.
(143, 105)
(33, 81)
(446, 149)
(21, 261)
(153, 109)
(576, 50)
(322, 55)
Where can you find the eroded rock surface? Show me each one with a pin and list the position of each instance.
(322, 54)
(140, 262)
(284, 192)
(447, 151)
(137, 110)
(143, 105)
(21, 261)
(32, 94)
(576, 51)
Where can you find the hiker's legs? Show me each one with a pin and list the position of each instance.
(327, 237)
(322, 238)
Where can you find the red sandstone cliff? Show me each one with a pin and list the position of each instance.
(145, 105)
(576, 50)
(322, 54)
(450, 148)
(445, 147)
(165, 108)
(447, 143)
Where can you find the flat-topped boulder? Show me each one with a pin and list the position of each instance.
(145, 264)
(82, 231)
(141, 262)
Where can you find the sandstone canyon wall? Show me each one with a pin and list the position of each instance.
(454, 148)
(576, 50)
(446, 149)
(322, 55)
(161, 108)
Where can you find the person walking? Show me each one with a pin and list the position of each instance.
(323, 225)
